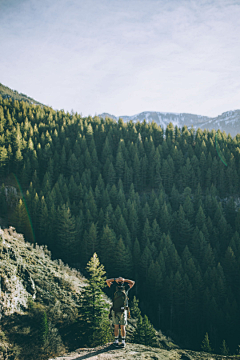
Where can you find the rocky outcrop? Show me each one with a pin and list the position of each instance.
(136, 351)
(14, 293)
(27, 272)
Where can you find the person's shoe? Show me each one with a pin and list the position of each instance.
(115, 343)
(122, 345)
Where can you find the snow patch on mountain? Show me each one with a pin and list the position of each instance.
(228, 121)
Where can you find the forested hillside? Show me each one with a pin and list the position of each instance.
(159, 207)
(8, 93)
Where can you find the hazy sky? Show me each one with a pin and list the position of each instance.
(123, 56)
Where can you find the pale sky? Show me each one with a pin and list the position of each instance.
(123, 56)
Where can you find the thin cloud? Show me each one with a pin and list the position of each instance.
(123, 57)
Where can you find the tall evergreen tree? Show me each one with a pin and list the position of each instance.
(93, 311)
(108, 248)
(66, 231)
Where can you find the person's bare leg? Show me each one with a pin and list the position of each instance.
(123, 331)
(116, 331)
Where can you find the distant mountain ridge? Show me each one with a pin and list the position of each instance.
(228, 121)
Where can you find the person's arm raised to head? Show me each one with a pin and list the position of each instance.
(130, 282)
(109, 282)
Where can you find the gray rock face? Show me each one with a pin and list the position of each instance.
(14, 293)
(27, 272)
(14, 297)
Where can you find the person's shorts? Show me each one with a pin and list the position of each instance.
(119, 318)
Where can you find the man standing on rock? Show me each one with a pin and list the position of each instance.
(120, 306)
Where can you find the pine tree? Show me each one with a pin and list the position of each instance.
(113, 194)
(20, 218)
(165, 219)
(106, 152)
(108, 247)
(66, 233)
(136, 258)
(206, 344)
(145, 261)
(127, 179)
(144, 332)
(200, 218)
(93, 312)
(183, 230)
(146, 234)
(122, 230)
(224, 349)
(156, 233)
(149, 333)
(135, 311)
(93, 238)
(175, 198)
(119, 163)
(237, 221)
(123, 262)
(43, 327)
(3, 158)
(133, 222)
(3, 202)
(188, 208)
(136, 172)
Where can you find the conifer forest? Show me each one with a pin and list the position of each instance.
(161, 207)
